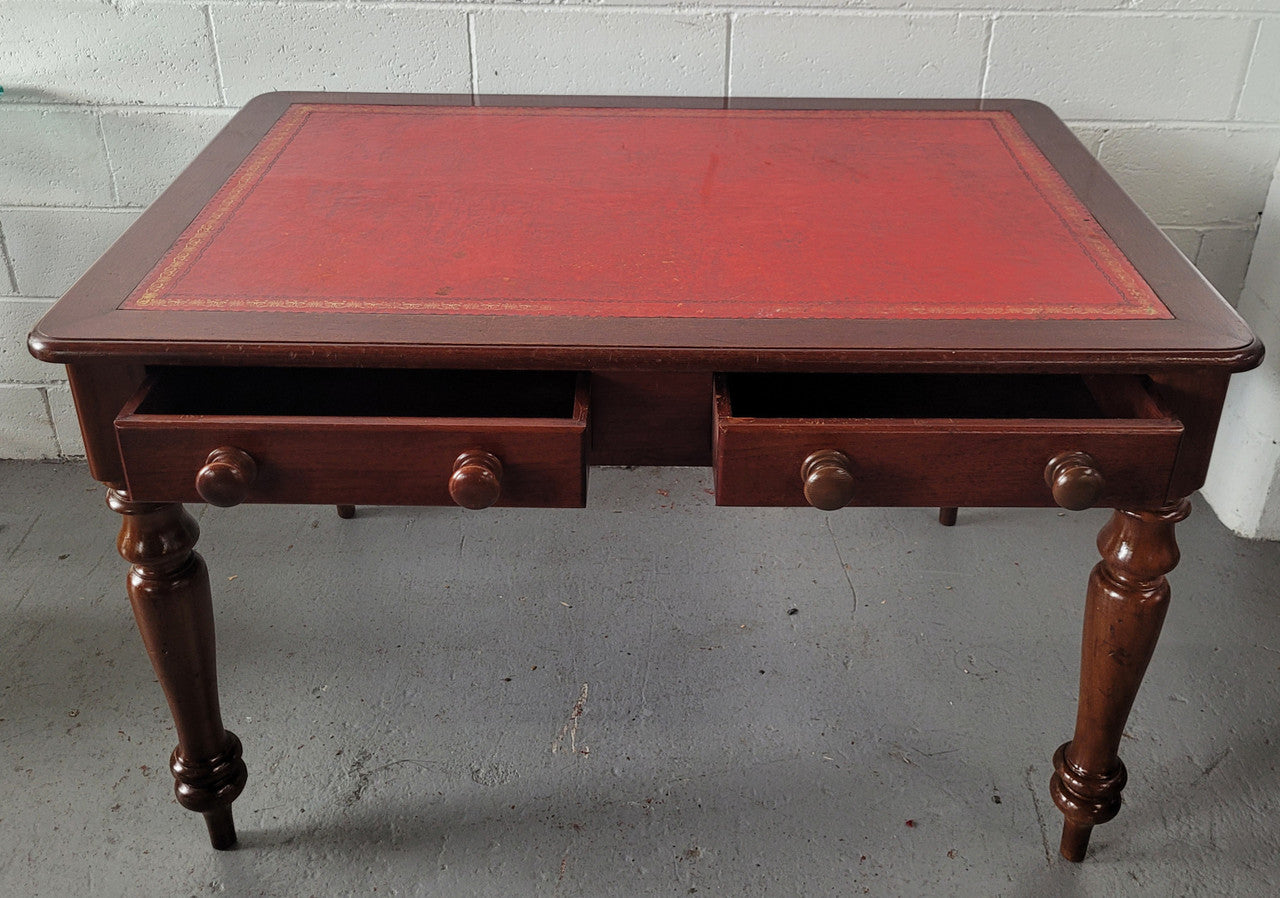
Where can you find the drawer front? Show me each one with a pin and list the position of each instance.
(351, 459)
(947, 460)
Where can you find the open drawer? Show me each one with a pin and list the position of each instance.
(939, 439)
(357, 436)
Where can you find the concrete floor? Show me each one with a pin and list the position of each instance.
(773, 702)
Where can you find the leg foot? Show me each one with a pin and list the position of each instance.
(169, 589)
(1075, 840)
(947, 516)
(222, 829)
(1125, 608)
(346, 512)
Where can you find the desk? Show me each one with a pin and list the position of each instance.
(376, 299)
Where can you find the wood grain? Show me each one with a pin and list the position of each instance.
(169, 590)
(1204, 331)
(1128, 597)
(650, 418)
(945, 461)
(344, 459)
(347, 408)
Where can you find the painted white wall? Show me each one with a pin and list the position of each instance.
(1243, 486)
(106, 100)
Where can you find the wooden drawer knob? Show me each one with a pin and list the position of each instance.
(226, 476)
(828, 482)
(1075, 480)
(477, 479)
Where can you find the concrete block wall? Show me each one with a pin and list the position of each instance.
(105, 101)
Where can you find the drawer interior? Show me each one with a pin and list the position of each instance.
(358, 393)
(936, 396)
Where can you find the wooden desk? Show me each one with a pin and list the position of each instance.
(369, 299)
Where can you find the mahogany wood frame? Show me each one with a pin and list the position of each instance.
(651, 401)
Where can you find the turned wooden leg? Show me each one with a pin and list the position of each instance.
(947, 516)
(169, 590)
(1127, 599)
(346, 511)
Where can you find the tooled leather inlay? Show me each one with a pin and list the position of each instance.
(648, 213)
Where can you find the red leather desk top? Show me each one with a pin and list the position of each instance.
(644, 213)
